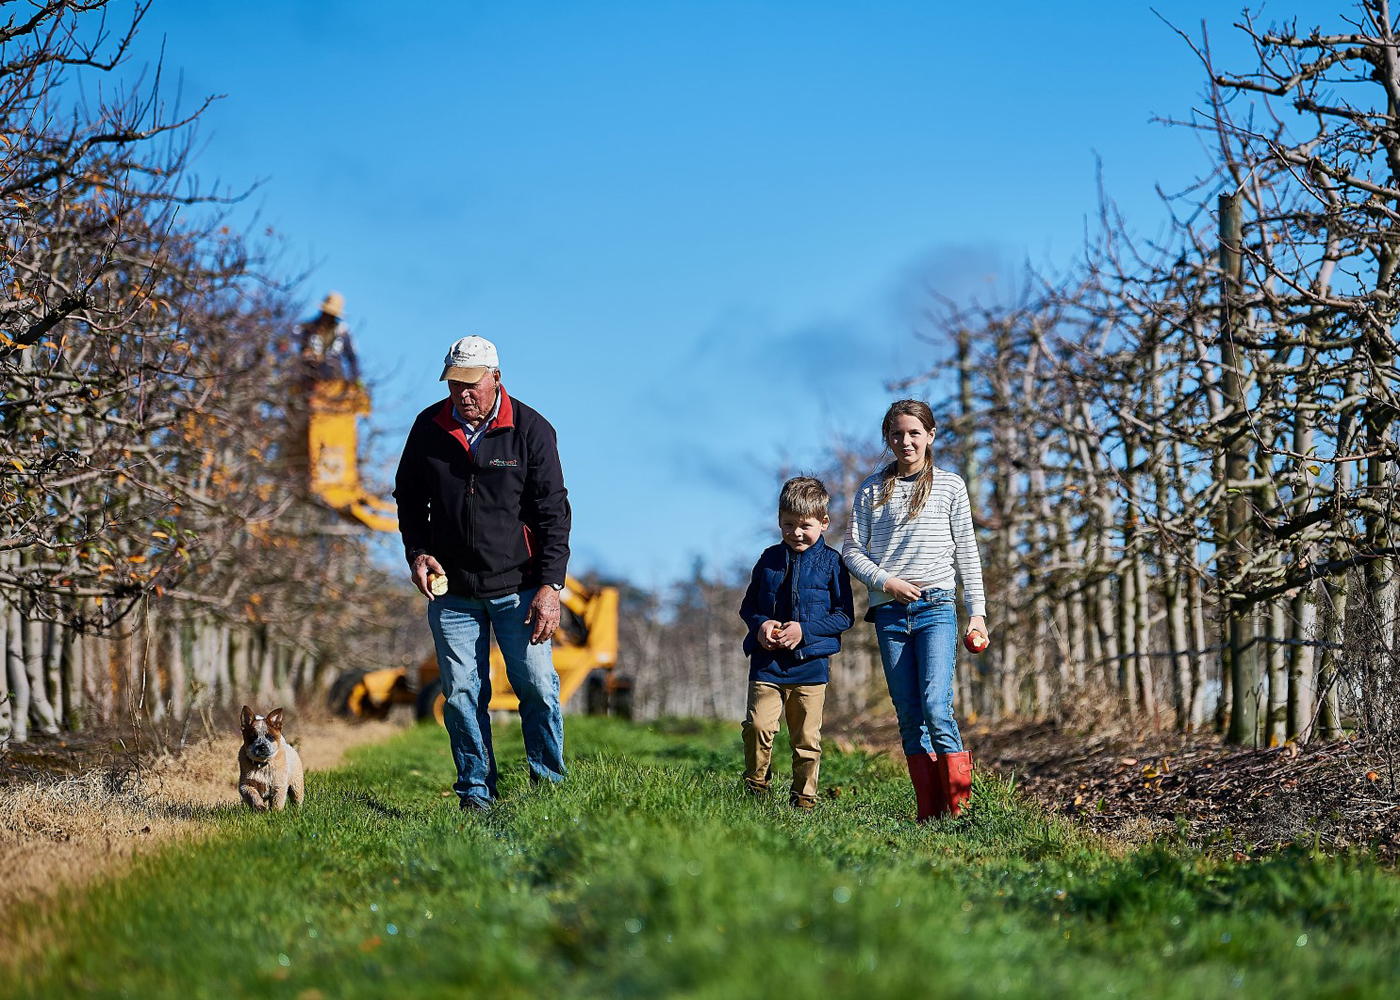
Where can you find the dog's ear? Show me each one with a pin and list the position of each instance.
(246, 717)
(274, 719)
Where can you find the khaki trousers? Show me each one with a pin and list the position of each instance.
(802, 705)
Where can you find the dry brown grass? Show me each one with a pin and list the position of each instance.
(63, 832)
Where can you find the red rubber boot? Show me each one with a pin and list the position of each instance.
(954, 780)
(928, 792)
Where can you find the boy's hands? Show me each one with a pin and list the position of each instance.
(789, 635)
(779, 635)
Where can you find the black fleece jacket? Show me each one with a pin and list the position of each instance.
(496, 515)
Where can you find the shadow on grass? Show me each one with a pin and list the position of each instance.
(373, 804)
(196, 811)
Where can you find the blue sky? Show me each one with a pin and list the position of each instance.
(700, 234)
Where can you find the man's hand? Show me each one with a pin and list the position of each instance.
(767, 637)
(902, 590)
(544, 612)
(791, 635)
(424, 564)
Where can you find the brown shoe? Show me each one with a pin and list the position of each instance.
(754, 786)
(804, 802)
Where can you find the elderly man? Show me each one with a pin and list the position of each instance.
(482, 504)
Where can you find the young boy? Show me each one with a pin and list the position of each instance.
(797, 605)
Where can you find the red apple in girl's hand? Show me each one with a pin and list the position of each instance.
(976, 641)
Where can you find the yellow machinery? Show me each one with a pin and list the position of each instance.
(585, 655)
(333, 443)
(584, 645)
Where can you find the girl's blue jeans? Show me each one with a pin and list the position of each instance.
(462, 630)
(919, 647)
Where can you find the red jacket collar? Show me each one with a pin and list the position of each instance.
(444, 418)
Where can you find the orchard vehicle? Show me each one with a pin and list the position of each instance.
(585, 655)
(584, 645)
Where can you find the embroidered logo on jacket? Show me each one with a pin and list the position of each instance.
(503, 463)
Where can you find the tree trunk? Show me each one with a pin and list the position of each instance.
(53, 668)
(179, 670)
(1300, 664)
(1241, 628)
(223, 677)
(111, 655)
(1199, 656)
(153, 694)
(267, 680)
(1127, 636)
(1108, 634)
(19, 678)
(41, 710)
(1302, 658)
(240, 649)
(74, 679)
(1146, 675)
(1329, 715)
(1093, 633)
(6, 709)
(1277, 653)
(1179, 668)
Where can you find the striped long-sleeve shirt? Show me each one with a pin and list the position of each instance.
(927, 551)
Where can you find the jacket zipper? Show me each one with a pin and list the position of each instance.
(471, 515)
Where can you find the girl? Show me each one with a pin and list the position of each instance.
(910, 533)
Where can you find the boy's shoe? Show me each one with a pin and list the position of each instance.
(804, 802)
(474, 805)
(754, 786)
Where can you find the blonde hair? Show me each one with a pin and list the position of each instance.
(804, 496)
(920, 411)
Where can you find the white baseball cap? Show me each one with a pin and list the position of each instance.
(469, 359)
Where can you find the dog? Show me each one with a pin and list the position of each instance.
(269, 769)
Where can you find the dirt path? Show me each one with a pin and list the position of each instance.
(60, 833)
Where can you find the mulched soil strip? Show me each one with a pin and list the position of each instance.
(1333, 795)
(48, 757)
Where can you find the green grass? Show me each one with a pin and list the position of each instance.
(650, 874)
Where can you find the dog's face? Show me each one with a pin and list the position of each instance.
(262, 734)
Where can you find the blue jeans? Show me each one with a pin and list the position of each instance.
(462, 630)
(919, 647)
